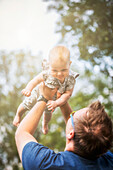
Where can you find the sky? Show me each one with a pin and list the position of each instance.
(26, 24)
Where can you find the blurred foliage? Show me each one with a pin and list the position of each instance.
(16, 69)
(86, 27)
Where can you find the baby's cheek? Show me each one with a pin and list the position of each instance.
(53, 74)
(66, 74)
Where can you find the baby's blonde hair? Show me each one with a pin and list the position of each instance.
(60, 53)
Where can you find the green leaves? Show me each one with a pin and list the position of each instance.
(88, 25)
(16, 69)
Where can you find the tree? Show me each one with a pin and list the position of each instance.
(16, 69)
(86, 27)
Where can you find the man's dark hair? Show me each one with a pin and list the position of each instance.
(94, 132)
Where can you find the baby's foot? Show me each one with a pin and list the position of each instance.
(44, 128)
(16, 121)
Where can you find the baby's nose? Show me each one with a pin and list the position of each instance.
(59, 73)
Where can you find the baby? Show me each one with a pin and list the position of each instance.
(57, 75)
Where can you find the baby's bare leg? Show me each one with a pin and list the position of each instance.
(46, 118)
(66, 110)
(20, 111)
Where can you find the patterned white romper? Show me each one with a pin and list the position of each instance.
(51, 82)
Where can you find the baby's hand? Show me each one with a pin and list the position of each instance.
(26, 92)
(51, 105)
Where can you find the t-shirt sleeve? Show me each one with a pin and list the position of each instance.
(109, 155)
(37, 156)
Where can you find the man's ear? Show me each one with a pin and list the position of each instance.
(70, 135)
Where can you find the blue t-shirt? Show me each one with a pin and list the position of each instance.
(38, 157)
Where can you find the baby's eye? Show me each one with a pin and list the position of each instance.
(54, 70)
(64, 70)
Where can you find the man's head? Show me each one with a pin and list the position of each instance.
(93, 131)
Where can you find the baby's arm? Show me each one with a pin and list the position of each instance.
(33, 83)
(60, 101)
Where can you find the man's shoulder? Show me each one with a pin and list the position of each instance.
(39, 156)
(108, 155)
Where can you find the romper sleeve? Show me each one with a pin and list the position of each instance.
(45, 68)
(45, 64)
(71, 80)
(45, 74)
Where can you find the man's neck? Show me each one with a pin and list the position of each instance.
(70, 146)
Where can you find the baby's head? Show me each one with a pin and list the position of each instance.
(59, 61)
(59, 54)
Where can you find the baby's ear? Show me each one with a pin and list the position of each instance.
(70, 62)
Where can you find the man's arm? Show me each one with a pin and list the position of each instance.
(28, 125)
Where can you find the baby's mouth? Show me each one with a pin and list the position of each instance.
(60, 77)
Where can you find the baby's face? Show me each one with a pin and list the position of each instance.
(59, 70)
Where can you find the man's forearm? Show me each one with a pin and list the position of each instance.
(27, 127)
(31, 120)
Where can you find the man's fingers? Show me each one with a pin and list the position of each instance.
(50, 108)
(48, 104)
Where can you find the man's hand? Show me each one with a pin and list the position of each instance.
(51, 105)
(26, 92)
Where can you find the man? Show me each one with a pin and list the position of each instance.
(88, 138)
